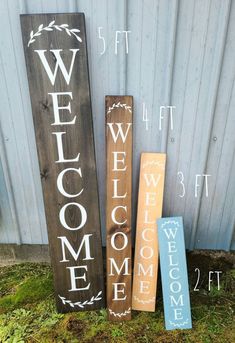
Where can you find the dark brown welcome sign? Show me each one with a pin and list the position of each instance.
(56, 59)
(118, 205)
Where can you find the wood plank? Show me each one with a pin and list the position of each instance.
(151, 186)
(118, 205)
(56, 60)
(174, 275)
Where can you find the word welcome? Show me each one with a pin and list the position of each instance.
(174, 274)
(72, 218)
(118, 214)
(152, 172)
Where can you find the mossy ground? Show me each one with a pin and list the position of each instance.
(28, 314)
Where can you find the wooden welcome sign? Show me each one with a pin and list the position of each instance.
(174, 274)
(118, 205)
(56, 60)
(151, 186)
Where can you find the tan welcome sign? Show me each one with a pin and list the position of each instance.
(151, 186)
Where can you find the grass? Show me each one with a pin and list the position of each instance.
(28, 313)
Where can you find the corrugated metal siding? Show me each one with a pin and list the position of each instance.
(181, 53)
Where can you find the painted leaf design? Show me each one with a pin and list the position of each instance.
(31, 34)
(40, 27)
(51, 23)
(75, 30)
(68, 32)
(37, 34)
(57, 28)
(64, 25)
(48, 29)
(78, 38)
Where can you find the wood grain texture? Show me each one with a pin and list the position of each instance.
(118, 193)
(151, 187)
(152, 77)
(78, 138)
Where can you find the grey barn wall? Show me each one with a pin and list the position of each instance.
(181, 53)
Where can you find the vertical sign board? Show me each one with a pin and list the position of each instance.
(151, 186)
(57, 67)
(174, 274)
(118, 205)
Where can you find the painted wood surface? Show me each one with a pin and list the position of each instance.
(174, 275)
(118, 117)
(150, 200)
(180, 53)
(57, 66)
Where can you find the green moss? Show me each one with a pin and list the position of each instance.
(28, 314)
(29, 291)
(12, 276)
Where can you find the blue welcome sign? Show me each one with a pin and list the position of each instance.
(174, 274)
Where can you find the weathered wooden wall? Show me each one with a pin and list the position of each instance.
(181, 53)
